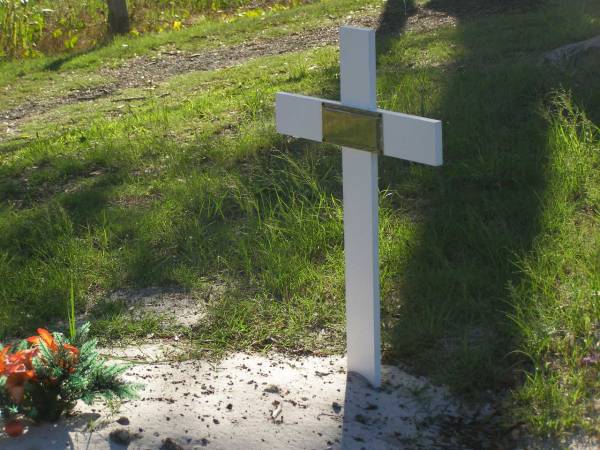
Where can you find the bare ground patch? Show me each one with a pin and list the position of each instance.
(269, 402)
(176, 306)
(176, 311)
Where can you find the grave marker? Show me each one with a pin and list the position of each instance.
(364, 132)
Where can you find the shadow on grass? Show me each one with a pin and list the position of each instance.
(12, 146)
(44, 242)
(451, 305)
(57, 63)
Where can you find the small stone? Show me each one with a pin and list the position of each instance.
(360, 418)
(123, 436)
(170, 444)
(229, 406)
(336, 407)
(123, 420)
(272, 389)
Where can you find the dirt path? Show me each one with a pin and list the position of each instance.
(148, 71)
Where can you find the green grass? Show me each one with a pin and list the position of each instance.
(489, 265)
(557, 304)
(52, 76)
(115, 322)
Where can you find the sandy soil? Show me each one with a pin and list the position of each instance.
(176, 306)
(257, 402)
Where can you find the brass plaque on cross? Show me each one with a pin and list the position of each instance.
(352, 127)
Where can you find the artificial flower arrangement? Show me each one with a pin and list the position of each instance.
(43, 376)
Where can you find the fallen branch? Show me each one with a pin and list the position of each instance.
(128, 99)
(571, 51)
(133, 99)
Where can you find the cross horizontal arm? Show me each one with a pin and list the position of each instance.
(407, 137)
(299, 116)
(412, 138)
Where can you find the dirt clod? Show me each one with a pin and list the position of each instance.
(272, 389)
(123, 420)
(123, 436)
(170, 444)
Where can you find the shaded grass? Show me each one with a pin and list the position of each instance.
(483, 213)
(485, 263)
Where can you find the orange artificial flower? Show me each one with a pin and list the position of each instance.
(14, 428)
(34, 340)
(18, 375)
(3, 355)
(24, 357)
(46, 337)
(74, 350)
(18, 368)
(73, 359)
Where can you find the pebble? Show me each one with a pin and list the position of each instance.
(170, 444)
(123, 436)
(123, 420)
(272, 389)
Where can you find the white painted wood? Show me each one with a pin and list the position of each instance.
(299, 116)
(407, 137)
(362, 263)
(412, 138)
(361, 212)
(357, 68)
(404, 136)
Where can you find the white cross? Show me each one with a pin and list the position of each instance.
(403, 136)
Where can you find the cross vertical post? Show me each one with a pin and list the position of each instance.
(363, 132)
(361, 210)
